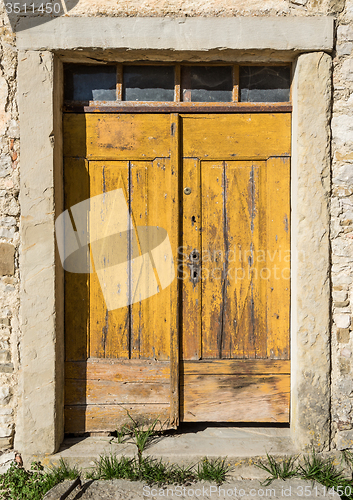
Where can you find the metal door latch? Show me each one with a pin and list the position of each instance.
(194, 266)
(187, 190)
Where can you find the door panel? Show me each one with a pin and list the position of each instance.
(118, 359)
(242, 298)
(248, 136)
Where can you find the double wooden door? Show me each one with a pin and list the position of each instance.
(211, 342)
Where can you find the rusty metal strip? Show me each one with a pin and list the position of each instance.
(178, 107)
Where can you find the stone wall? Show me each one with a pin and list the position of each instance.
(9, 235)
(341, 201)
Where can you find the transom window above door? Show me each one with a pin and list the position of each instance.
(179, 83)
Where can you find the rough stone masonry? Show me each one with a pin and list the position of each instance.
(341, 201)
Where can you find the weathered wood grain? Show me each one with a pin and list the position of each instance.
(236, 367)
(230, 137)
(117, 370)
(117, 136)
(108, 418)
(103, 392)
(191, 241)
(76, 190)
(245, 398)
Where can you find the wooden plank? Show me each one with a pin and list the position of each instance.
(152, 206)
(278, 257)
(248, 398)
(108, 418)
(76, 190)
(214, 283)
(175, 156)
(236, 367)
(119, 370)
(191, 241)
(117, 137)
(105, 392)
(109, 330)
(74, 135)
(245, 235)
(241, 326)
(228, 137)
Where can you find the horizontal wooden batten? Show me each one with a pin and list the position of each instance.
(117, 370)
(246, 398)
(121, 137)
(94, 418)
(177, 107)
(235, 367)
(104, 392)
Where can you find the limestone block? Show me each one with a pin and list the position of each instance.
(5, 395)
(7, 259)
(345, 367)
(5, 165)
(345, 386)
(345, 32)
(347, 70)
(7, 368)
(6, 430)
(6, 460)
(343, 335)
(4, 114)
(344, 49)
(311, 148)
(5, 356)
(342, 125)
(346, 353)
(5, 444)
(6, 419)
(345, 440)
(13, 130)
(7, 232)
(8, 221)
(342, 320)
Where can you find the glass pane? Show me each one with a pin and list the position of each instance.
(207, 83)
(90, 83)
(148, 83)
(264, 83)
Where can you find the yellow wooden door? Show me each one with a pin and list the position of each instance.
(236, 268)
(227, 334)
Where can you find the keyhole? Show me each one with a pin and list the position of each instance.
(195, 255)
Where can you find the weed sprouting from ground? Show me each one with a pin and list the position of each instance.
(278, 470)
(21, 484)
(311, 467)
(213, 470)
(322, 470)
(153, 471)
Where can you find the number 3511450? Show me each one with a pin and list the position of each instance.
(31, 8)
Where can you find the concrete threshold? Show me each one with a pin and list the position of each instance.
(241, 445)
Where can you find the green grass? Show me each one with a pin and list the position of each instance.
(21, 484)
(278, 470)
(213, 470)
(311, 467)
(154, 471)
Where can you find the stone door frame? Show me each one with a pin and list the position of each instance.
(304, 41)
